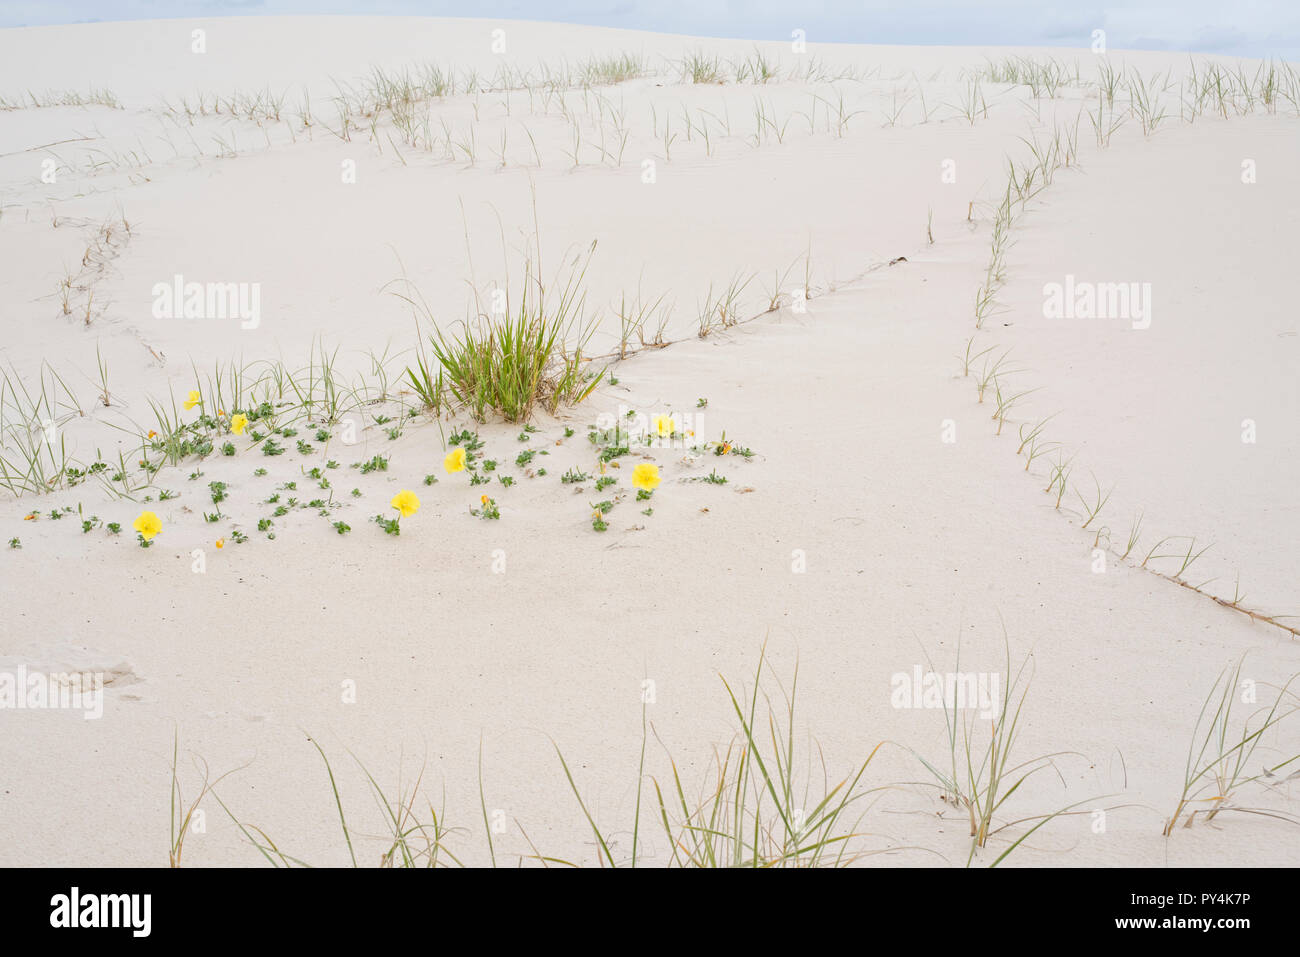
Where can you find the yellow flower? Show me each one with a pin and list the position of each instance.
(455, 460)
(484, 499)
(406, 502)
(645, 476)
(664, 426)
(221, 543)
(221, 411)
(239, 423)
(148, 525)
(153, 434)
(193, 399)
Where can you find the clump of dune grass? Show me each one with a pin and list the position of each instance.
(722, 310)
(972, 105)
(979, 778)
(183, 812)
(634, 316)
(775, 295)
(1045, 78)
(699, 67)
(768, 123)
(1222, 753)
(1092, 506)
(34, 456)
(753, 808)
(426, 379)
(416, 834)
(49, 98)
(1032, 443)
(1105, 124)
(608, 70)
(1005, 402)
(756, 68)
(838, 115)
(512, 361)
(990, 373)
(968, 357)
(522, 349)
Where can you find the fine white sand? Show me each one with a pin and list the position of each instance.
(910, 544)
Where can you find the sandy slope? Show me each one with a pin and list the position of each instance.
(910, 542)
(1165, 402)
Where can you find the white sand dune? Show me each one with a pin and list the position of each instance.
(912, 545)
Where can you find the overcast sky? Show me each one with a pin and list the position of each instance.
(1254, 28)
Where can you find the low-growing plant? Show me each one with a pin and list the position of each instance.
(514, 360)
(487, 509)
(1221, 752)
(753, 810)
(980, 779)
